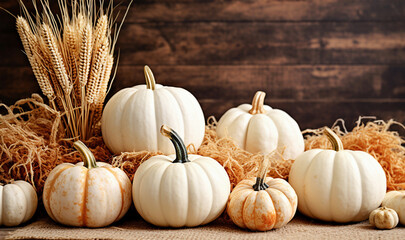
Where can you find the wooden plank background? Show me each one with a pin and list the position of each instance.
(318, 60)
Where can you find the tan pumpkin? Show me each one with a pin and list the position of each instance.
(18, 203)
(87, 194)
(396, 201)
(262, 203)
(383, 218)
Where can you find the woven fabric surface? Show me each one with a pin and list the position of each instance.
(132, 227)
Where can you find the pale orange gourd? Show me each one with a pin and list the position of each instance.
(262, 203)
(88, 194)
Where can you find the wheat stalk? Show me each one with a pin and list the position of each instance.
(99, 59)
(105, 77)
(69, 39)
(56, 58)
(29, 39)
(85, 55)
(101, 30)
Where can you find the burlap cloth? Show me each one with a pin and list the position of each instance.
(133, 227)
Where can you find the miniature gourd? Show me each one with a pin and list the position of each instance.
(396, 201)
(337, 185)
(132, 117)
(88, 194)
(18, 203)
(383, 218)
(180, 190)
(262, 203)
(258, 128)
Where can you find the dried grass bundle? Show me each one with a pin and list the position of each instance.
(72, 59)
(373, 137)
(32, 142)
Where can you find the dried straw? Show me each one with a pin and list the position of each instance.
(32, 142)
(373, 137)
(238, 163)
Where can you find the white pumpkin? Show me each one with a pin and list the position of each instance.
(180, 190)
(133, 116)
(18, 203)
(396, 201)
(383, 218)
(87, 194)
(337, 185)
(260, 128)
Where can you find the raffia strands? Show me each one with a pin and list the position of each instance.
(86, 46)
(238, 163)
(29, 41)
(56, 58)
(97, 63)
(69, 39)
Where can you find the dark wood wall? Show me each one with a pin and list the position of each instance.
(318, 60)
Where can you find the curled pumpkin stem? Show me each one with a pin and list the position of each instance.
(150, 79)
(180, 148)
(337, 144)
(258, 103)
(88, 158)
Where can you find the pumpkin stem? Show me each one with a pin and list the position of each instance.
(261, 175)
(337, 144)
(150, 79)
(257, 103)
(87, 156)
(181, 150)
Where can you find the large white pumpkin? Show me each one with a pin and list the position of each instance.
(133, 116)
(88, 194)
(337, 185)
(260, 128)
(180, 190)
(18, 203)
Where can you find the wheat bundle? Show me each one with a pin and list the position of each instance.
(373, 137)
(72, 59)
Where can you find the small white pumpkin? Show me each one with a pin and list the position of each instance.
(88, 194)
(260, 128)
(337, 185)
(396, 201)
(18, 203)
(132, 117)
(180, 190)
(383, 218)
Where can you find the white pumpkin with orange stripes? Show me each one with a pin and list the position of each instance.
(88, 194)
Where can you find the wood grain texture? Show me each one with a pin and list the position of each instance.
(253, 10)
(318, 60)
(232, 44)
